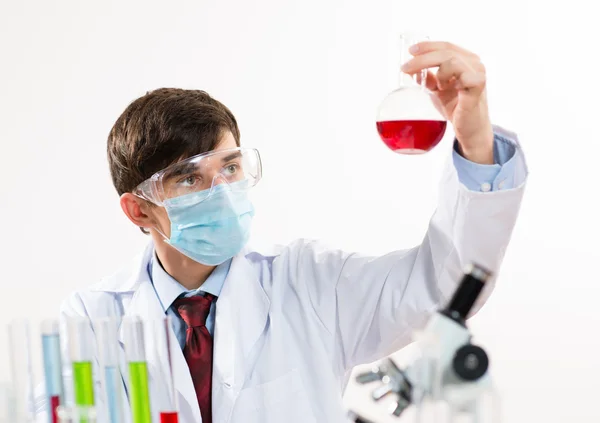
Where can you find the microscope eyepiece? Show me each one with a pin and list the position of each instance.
(468, 291)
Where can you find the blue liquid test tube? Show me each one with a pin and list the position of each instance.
(52, 367)
(22, 410)
(107, 337)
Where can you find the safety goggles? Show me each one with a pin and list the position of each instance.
(241, 168)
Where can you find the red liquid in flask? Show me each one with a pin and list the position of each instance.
(169, 417)
(411, 136)
(54, 403)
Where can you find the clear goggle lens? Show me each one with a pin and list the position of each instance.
(240, 168)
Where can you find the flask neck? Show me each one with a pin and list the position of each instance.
(412, 81)
(405, 80)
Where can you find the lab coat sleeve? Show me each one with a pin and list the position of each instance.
(372, 305)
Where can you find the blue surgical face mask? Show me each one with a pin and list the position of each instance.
(210, 230)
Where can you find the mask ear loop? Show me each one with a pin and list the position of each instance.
(165, 238)
(156, 228)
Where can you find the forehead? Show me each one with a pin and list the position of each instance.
(221, 154)
(227, 141)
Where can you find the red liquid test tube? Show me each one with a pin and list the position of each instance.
(169, 417)
(54, 404)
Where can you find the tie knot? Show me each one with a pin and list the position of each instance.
(194, 310)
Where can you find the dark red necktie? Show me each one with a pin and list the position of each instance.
(198, 350)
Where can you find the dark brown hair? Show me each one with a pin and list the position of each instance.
(162, 127)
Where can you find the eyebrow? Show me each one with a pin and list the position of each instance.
(185, 169)
(232, 156)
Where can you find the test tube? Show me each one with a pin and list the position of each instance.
(108, 355)
(139, 394)
(76, 414)
(5, 403)
(81, 354)
(22, 376)
(163, 342)
(52, 367)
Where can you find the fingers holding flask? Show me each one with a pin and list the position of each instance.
(457, 68)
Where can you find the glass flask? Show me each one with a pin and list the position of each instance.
(407, 120)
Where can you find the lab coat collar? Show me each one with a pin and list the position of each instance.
(241, 318)
(128, 278)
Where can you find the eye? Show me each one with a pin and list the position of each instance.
(232, 168)
(189, 181)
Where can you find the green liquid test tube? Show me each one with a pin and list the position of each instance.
(81, 355)
(138, 371)
(84, 383)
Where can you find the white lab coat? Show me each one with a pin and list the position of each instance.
(291, 325)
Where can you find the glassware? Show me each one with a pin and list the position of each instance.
(108, 342)
(81, 356)
(407, 120)
(135, 354)
(76, 414)
(164, 343)
(52, 366)
(6, 403)
(21, 369)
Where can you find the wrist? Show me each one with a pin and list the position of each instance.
(478, 148)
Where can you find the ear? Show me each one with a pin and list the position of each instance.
(137, 210)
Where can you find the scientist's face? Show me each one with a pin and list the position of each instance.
(159, 214)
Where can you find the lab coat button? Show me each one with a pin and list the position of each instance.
(485, 187)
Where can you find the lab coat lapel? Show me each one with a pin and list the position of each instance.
(146, 305)
(241, 316)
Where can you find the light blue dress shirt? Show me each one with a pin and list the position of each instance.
(168, 290)
(475, 177)
(498, 176)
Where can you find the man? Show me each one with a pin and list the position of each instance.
(273, 337)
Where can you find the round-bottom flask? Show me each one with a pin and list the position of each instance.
(407, 120)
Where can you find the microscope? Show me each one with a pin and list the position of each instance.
(450, 369)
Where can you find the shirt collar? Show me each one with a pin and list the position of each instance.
(168, 289)
(214, 283)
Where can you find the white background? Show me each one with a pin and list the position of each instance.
(304, 79)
